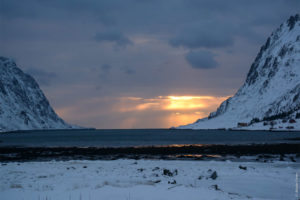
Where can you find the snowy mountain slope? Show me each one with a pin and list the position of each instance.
(271, 91)
(23, 105)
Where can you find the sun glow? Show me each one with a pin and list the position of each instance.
(172, 110)
(139, 112)
(184, 102)
(189, 97)
(174, 103)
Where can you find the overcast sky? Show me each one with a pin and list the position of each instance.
(115, 63)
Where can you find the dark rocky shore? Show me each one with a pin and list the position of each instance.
(258, 152)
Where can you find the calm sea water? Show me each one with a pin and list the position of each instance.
(140, 137)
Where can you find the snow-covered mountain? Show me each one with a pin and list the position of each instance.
(23, 105)
(270, 96)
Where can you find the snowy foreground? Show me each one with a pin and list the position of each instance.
(147, 179)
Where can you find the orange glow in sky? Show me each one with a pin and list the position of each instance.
(172, 103)
(185, 102)
(175, 110)
(137, 112)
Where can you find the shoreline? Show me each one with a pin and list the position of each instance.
(259, 152)
(172, 129)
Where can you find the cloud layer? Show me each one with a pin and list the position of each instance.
(87, 50)
(43, 77)
(201, 59)
(113, 36)
(203, 35)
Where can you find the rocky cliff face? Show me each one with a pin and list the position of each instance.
(23, 105)
(271, 92)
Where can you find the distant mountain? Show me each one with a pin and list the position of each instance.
(270, 96)
(23, 106)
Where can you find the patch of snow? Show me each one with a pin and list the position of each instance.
(145, 179)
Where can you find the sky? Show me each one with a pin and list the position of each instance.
(138, 63)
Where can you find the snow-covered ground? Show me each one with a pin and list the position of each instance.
(147, 179)
(275, 125)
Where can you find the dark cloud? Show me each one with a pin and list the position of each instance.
(208, 23)
(44, 78)
(201, 59)
(59, 10)
(104, 71)
(128, 70)
(203, 35)
(113, 36)
(105, 68)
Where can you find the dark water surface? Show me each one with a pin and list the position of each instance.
(140, 137)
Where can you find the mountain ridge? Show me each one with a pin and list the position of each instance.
(23, 105)
(271, 91)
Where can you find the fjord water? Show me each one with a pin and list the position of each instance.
(140, 137)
